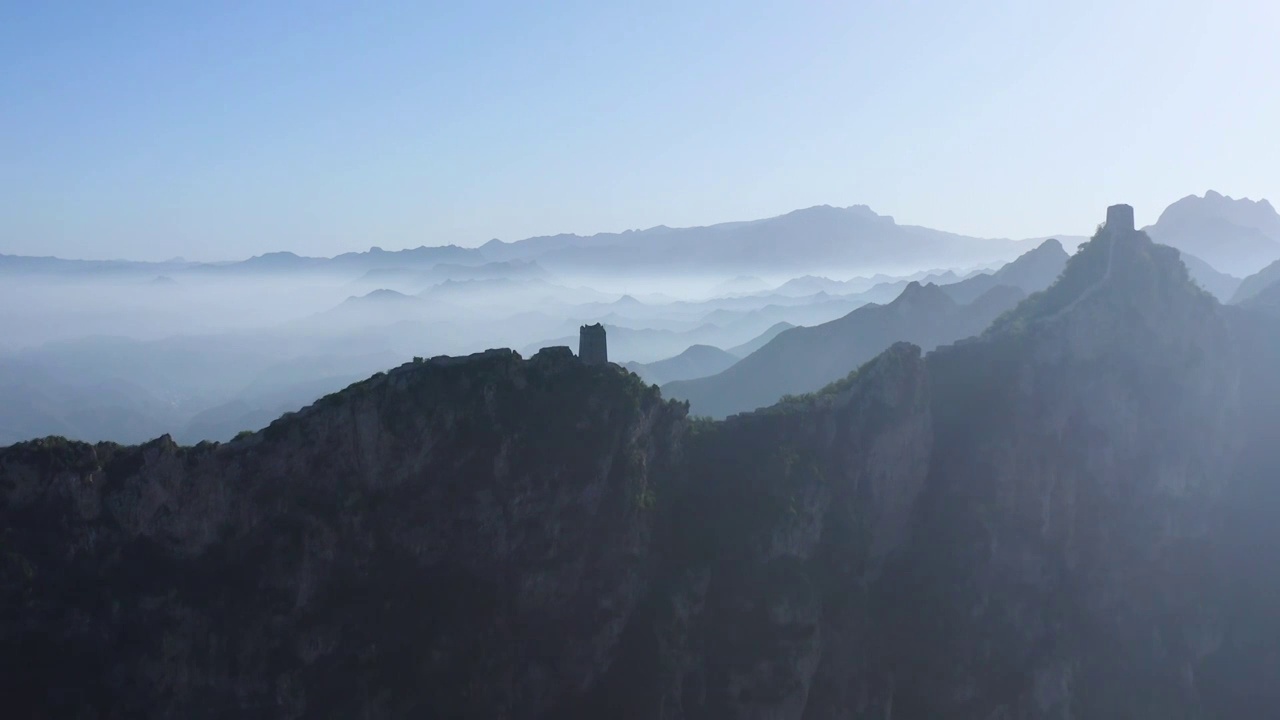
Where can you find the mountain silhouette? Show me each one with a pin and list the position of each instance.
(814, 238)
(804, 359)
(698, 361)
(1234, 236)
(1032, 271)
(1257, 283)
(1218, 284)
(754, 344)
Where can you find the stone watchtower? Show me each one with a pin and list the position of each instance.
(1120, 218)
(591, 345)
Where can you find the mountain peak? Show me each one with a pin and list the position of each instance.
(1049, 252)
(915, 295)
(1051, 245)
(1246, 213)
(381, 295)
(1121, 264)
(1216, 198)
(1236, 236)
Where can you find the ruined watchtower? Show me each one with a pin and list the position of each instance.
(591, 345)
(1120, 218)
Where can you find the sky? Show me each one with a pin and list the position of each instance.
(151, 130)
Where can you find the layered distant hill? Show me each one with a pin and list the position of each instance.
(1257, 283)
(804, 359)
(817, 238)
(751, 346)
(822, 237)
(1218, 284)
(698, 361)
(1031, 272)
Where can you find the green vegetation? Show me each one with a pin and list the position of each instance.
(701, 424)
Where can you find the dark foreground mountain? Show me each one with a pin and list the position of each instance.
(339, 563)
(804, 359)
(1066, 517)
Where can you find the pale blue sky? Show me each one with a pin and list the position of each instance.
(219, 130)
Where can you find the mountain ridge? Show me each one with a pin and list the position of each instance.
(697, 361)
(804, 359)
(925, 314)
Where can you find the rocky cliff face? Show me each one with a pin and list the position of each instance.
(1069, 516)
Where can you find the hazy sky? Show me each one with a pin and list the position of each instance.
(224, 129)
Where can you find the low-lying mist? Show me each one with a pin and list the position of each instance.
(204, 355)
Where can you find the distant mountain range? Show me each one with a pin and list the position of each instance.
(822, 237)
(1234, 236)
(812, 284)
(818, 238)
